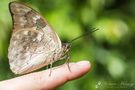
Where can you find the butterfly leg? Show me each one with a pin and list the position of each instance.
(67, 61)
(51, 65)
(66, 57)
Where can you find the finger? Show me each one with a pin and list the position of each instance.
(42, 81)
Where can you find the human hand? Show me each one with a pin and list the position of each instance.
(42, 81)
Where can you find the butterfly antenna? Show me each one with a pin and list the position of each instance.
(85, 34)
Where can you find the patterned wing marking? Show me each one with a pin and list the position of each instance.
(25, 17)
(28, 48)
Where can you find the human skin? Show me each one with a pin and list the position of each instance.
(42, 81)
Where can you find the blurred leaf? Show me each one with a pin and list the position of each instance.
(64, 26)
(112, 30)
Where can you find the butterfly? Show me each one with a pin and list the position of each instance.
(33, 43)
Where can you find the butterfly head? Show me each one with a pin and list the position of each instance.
(66, 47)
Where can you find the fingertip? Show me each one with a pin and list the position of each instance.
(79, 69)
(84, 63)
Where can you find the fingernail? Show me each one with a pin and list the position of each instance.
(83, 63)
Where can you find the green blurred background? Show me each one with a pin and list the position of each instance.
(110, 49)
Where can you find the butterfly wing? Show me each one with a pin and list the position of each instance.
(32, 42)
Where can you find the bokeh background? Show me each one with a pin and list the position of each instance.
(111, 49)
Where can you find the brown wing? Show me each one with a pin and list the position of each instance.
(25, 17)
(32, 42)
